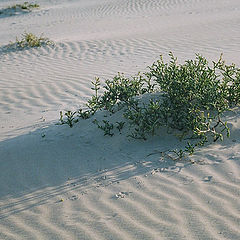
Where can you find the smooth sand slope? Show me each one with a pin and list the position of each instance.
(58, 182)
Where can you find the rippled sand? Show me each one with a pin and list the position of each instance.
(62, 183)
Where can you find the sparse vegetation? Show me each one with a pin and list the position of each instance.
(189, 98)
(106, 126)
(24, 7)
(70, 120)
(29, 40)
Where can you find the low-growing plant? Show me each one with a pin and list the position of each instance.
(93, 103)
(29, 40)
(26, 7)
(107, 127)
(189, 98)
(70, 119)
(120, 125)
(178, 153)
(190, 148)
(84, 114)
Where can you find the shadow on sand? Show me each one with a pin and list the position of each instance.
(49, 162)
(43, 165)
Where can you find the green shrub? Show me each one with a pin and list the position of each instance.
(194, 94)
(117, 92)
(189, 97)
(26, 6)
(29, 40)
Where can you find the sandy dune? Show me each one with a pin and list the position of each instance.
(58, 182)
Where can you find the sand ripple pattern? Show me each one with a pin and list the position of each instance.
(53, 185)
(96, 9)
(147, 199)
(50, 77)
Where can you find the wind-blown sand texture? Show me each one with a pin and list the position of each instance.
(58, 182)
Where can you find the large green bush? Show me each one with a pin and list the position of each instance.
(189, 97)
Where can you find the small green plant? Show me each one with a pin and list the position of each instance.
(29, 40)
(107, 127)
(120, 125)
(190, 148)
(93, 103)
(70, 118)
(84, 114)
(178, 153)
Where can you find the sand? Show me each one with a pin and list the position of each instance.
(58, 182)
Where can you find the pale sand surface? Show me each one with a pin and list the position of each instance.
(112, 188)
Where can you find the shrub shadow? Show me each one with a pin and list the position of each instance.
(47, 163)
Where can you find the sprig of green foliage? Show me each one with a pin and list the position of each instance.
(29, 40)
(70, 119)
(120, 126)
(107, 127)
